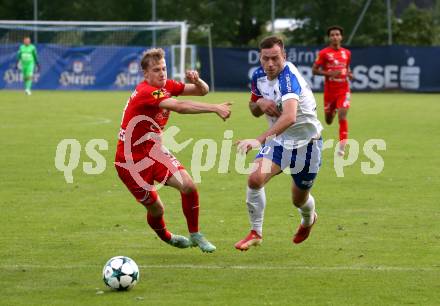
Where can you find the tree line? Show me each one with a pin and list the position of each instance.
(242, 23)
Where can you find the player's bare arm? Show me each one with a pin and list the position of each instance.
(268, 107)
(223, 110)
(255, 109)
(317, 70)
(287, 118)
(196, 86)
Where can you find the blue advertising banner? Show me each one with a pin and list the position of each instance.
(117, 68)
(76, 68)
(374, 68)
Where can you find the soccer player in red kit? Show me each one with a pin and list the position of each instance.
(333, 62)
(141, 158)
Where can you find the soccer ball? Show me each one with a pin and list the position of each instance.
(120, 273)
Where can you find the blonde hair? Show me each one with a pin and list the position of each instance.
(152, 55)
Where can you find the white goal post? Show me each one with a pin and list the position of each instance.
(117, 33)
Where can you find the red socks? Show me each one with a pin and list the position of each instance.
(343, 129)
(190, 207)
(158, 225)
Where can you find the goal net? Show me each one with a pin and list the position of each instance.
(90, 55)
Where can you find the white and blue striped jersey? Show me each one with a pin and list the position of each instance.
(289, 85)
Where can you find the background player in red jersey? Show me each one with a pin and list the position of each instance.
(141, 158)
(333, 62)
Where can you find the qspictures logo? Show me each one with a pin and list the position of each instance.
(156, 154)
(207, 154)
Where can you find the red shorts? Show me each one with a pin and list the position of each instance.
(159, 166)
(335, 99)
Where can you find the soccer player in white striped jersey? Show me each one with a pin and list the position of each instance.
(293, 140)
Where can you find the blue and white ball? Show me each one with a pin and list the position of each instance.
(120, 273)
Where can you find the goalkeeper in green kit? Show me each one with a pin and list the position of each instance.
(27, 57)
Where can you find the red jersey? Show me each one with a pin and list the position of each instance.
(335, 59)
(144, 102)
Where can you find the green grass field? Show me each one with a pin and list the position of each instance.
(377, 241)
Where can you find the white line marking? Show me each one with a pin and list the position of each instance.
(93, 120)
(100, 121)
(238, 267)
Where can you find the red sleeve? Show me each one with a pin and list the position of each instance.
(151, 98)
(254, 97)
(148, 96)
(320, 60)
(255, 92)
(175, 88)
(349, 59)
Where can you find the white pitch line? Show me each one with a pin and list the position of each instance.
(238, 267)
(99, 121)
(93, 120)
(253, 267)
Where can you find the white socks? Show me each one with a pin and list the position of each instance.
(256, 202)
(307, 211)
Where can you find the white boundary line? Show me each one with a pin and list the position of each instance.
(237, 267)
(99, 121)
(101, 23)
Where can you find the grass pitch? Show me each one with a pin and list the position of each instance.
(376, 241)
